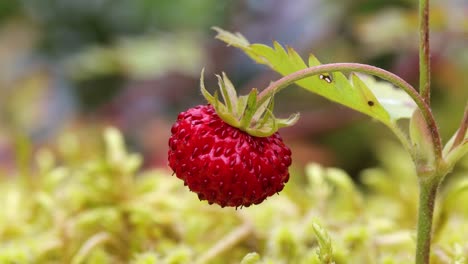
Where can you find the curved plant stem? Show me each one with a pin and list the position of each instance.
(427, 195)
(278, 85)
(424, 51)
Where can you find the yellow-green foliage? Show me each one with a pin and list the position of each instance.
(103, 209)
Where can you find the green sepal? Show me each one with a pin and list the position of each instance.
(228, 92)
(286, 122)
(243, 112)
(250, 109)
(267, 114)
(217, 103)
(261, 110)
(268, 128)
(203, 90)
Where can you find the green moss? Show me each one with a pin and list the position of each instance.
(102, 208)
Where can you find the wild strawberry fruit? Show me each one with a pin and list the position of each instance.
(223, 164)
(230, 154)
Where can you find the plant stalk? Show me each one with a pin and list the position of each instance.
(428, 186)
(287, 80)
(462, 130)
(424, 52)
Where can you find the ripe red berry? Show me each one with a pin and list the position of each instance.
(223, 164)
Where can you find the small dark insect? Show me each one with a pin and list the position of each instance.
(326, 78)
(370, 103)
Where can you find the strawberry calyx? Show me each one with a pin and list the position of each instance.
(245, 112)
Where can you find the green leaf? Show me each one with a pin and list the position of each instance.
(395, 101)
(370, 100)
(381, 102)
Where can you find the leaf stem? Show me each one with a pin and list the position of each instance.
(424, 52)
(403, 139)
(427, 194)
(278, 85)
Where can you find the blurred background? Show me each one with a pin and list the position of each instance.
(78, 66)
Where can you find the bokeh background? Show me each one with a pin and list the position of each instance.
(79, 66)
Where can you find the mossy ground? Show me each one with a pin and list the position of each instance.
(99, 206)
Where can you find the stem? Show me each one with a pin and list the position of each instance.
(424, 51)
(462, 130)
(427, 194)
(428, 184)
(278, 85)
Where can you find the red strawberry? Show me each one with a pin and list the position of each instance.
(223, 164)
(230, 153)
